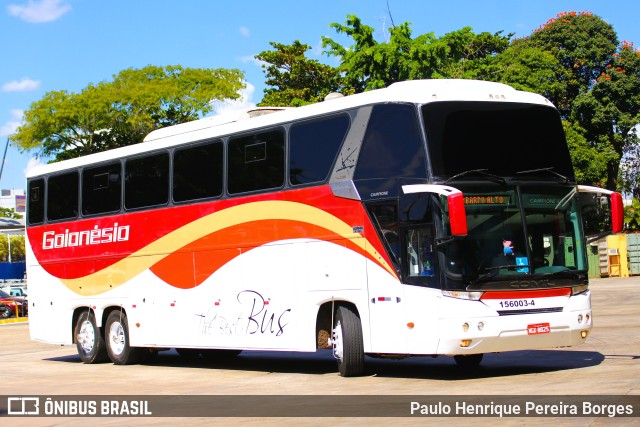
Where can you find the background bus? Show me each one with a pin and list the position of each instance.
(429, 218)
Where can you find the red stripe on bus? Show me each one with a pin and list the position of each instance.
(539, 293)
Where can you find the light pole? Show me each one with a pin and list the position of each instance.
(4, 156)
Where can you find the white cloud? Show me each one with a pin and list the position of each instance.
(39, 11)
(245, 31)
(23, 85)
(252, 59)
(10, 127)
(33, 162)
(245, 101)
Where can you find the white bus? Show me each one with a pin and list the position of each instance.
(435, 217)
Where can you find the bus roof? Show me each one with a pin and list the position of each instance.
(414, 91)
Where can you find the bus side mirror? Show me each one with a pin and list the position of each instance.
(457, 214)
(455, 204)
(602, 211)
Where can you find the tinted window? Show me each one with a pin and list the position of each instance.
(392, 145)
(256, 162)
(197, 172)
(62, 196)
(313, 147)
(101, 189)
(503, 138)
(36, 201)
(147, 181)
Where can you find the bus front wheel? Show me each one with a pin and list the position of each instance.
(89, 341)
(348, 348)
(117, 339)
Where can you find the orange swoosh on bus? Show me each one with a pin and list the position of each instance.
(172, 256)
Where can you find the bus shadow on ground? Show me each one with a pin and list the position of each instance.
(440, 368)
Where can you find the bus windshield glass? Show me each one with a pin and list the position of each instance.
(517, 230)
(468, 136)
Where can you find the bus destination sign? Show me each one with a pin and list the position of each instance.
(487, 199)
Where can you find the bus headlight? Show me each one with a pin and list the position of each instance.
(471, 296)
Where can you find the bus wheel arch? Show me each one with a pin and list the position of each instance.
(88, 337)
(116, 337)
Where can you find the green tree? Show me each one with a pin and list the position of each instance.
(610, 111)
(369, 64)
(121, 112)
(9, 213)
(575, 60)
(17, 247)
(583, 44)
(295, 80)
(589, 160)
(526, 68)
(632, 216)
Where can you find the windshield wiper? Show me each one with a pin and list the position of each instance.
(559, 274)
(493, 271)
(549, 169)
(482, 172)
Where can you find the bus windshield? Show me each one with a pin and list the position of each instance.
(517, 230)
(504, 139)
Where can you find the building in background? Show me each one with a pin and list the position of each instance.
(14, 199)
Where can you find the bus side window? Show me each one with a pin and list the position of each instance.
(392, 145)
(36, 201)
(256, 162)
(197, 172)
(62, 198)
(313, 146)
(101, 189)
(146, 181)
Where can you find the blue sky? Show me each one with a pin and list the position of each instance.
(52, 45)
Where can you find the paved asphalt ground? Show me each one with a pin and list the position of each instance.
(608, 364)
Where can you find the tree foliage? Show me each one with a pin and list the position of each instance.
(369, 64)
(9, 213)
(295, 80)
(574, 59)
(121, 112)
(632, 216)
(17, 247)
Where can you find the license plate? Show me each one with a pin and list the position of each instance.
(538, 328)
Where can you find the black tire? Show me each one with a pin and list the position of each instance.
(468, 361)
(116, 334)
(207, 354)
(5, 312)
(348, 348)
(89, 341)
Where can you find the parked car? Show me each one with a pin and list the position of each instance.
(17, 291)
(10, 306)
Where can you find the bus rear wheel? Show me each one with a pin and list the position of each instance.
(89, 341)
(117, 340)
(346, 339)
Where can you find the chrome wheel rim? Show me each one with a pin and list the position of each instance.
(116, 338)
(86, 336)
(336, 341)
